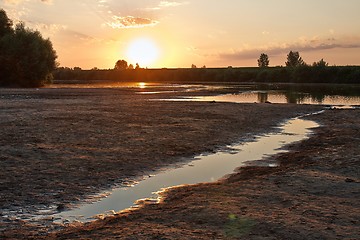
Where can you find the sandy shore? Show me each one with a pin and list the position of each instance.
(58, 146)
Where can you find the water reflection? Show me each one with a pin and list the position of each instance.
(282, 97)
(141, 85)
(205, 168)
(107, 84)
(329, 94)
(263, 97)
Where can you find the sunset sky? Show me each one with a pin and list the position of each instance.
(96, 33)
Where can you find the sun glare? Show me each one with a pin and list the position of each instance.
(141, 85)
(142, 51)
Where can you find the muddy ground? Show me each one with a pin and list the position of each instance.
(58, 146)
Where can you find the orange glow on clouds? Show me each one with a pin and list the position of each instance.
(159, 34)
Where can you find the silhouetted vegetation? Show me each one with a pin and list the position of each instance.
(263, 60)
(297, 71)
(301, 74)
(294, 60)
(5, 24)
(26, 58)
(320, 63)
(121, 65)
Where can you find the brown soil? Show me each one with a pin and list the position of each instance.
(60, 145)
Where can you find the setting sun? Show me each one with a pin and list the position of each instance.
(142, 51)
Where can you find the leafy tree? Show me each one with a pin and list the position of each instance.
(320, 63)
(131, 66)
(193, 66)
(121, 65)
(263, 60)
(5, 24)
(294, 60)
(26, 58)
(137, 66)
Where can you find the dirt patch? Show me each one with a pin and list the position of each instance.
(58, 146)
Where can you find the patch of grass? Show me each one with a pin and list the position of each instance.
(238, 226)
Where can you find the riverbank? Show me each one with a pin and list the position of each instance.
(77, 142)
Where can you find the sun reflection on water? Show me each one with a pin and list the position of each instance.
(141, 85)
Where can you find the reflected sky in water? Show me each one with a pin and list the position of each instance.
(327, 94)
(204, 168)
(282, 97)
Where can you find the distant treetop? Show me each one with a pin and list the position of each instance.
(294, 60)
(5, 24)
(121, 65)
(320, 63)
(263, 60)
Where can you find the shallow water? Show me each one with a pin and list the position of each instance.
(282, 97)
(326, 94)
(204, 168)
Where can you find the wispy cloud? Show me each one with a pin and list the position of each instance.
(131, 22)
(302, 45)
(166, 4)
(78, 35)
(163, 4)
(47, 1)
(17, 9)
(12, 2)
(61, 31)
(16, 2)
(48, 30)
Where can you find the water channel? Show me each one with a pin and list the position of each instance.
(204, 168)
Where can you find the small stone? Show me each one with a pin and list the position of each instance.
(60, 207)
(349, 180)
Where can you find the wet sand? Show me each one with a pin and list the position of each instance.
(58, 146)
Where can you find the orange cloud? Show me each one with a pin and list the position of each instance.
(131, 22)
(16, 2)
(171, 4)
(166, 4)
(303, 45)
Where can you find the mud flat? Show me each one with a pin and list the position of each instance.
(60, 146)
(313, 194)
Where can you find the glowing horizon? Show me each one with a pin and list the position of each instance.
(97, 33)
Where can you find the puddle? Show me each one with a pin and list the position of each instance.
(204, 168)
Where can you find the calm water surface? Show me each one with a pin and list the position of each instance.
(325, 94)
(281, 97)
(204, 168)
(335, 95)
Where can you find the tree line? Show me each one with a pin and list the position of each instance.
(295, 71)
(26, 58)
(300, 74)
(293, 60)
